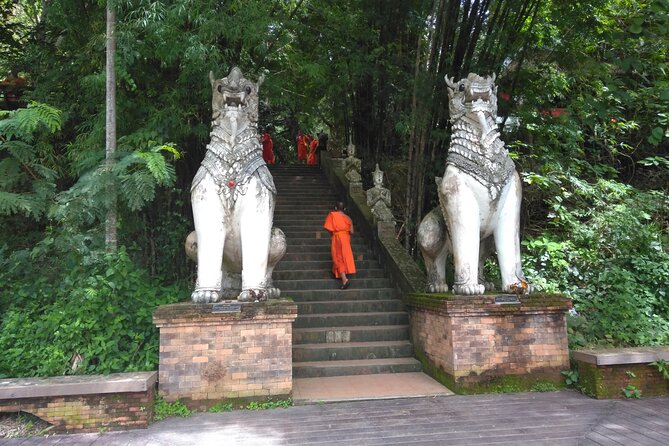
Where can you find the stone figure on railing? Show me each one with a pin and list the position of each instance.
(233, 197)
(379, 198)
(479, 196)
(353, 167)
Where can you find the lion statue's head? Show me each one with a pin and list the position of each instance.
(472, 94)
(234, 96)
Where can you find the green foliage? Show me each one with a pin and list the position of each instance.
(163, 409)
(133, 180)
(570, 377)
(662, 366)
(89, 312)
(27, 177)
(607, 250)
(630, 391)
(263, 405)
(544, 387)
(221, 407)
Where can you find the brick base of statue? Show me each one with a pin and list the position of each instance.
(472, 343)
(225, 351)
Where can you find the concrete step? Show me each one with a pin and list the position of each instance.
(330, 284)
(351, 319)
(321, 256)
(346, 351)
(320, 265)
(315, 369)
(349, 306)
(321, 202)
(305, 241)
(330, 295)
(320, 335)
(338, 294)
(295, 211)
(295, 275)
(308, 189)
(356, 246)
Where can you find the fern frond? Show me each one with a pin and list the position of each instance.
(10, 172)
(170, 148)
(13, 203)
(137, 189)
(156, 165)
(23, 152)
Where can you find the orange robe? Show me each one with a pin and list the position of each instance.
(302, 148)
(268, 149)
(340, 226)
(312, 152)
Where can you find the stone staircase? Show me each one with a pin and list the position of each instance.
(362, 330)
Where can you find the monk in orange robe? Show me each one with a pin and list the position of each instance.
(313, 145)
(340, 227)
(268, 149)
(301, 146)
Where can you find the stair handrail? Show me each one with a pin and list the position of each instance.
(404, 272)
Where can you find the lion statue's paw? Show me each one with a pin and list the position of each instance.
(273, 293)
(489, 286)
(253, 295)
(205, 296)
(438, 287)
(469, 289)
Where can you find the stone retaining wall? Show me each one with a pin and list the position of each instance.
(84, 403)
(604, 373)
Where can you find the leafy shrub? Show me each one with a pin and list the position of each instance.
(264, 405)
(163, 409)
(607, 249)
(72, 312)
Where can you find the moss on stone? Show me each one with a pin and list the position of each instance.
(487, 383)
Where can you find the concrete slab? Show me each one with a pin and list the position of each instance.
(366, 387)
(14, 388)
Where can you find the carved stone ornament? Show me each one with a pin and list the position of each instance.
(233, 198)
(379, 198)
(479, 196)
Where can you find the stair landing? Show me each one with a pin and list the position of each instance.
(366, 387)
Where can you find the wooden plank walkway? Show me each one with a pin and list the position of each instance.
(555, 418)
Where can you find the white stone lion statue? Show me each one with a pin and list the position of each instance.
(233, 197)
(479, 197)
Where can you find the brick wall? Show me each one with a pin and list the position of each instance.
(608, 381)
(84, 403)
(604, 373)
(207, 357)
(88, 413)
(474, 341)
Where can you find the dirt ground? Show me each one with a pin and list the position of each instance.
(22, 425)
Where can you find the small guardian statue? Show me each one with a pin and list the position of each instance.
(353, 167)
(379, 198)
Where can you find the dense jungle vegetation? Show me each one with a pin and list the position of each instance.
(585, 82)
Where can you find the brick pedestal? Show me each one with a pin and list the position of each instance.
(472, 342)
(208, 356)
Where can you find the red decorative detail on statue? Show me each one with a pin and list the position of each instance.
(231, 183)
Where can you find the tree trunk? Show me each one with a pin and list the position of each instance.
(111, 241)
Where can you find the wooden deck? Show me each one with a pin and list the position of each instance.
(555, 418)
